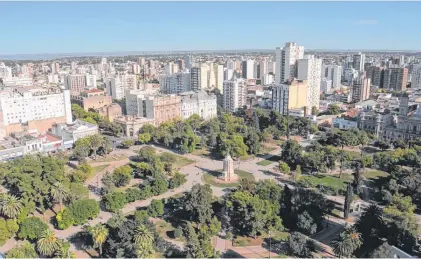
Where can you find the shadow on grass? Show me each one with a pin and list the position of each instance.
(211, 172)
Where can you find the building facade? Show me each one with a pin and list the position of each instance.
(309, 70)
(93, 98)
(200, 103)
(292, 95)
(115, 88)
(75, 83)
(360, 90)
(175, 83)
(235, 94)
(358, 61)
(195, 79)
(333, 73)
(131, 125)
(395, 78)
(286, 61)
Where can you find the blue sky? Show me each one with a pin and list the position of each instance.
(64, 27)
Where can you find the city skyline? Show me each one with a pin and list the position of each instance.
(92, 27)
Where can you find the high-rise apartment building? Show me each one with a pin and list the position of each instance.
(377, 77)
(292, 95)
(358, 61)
(286, 61)
(228, 74)
(55, 68)
(263, 68)
(75, 83)
(309, 70)
(34, 109)
(395, 78)
(136, 69)
(204, 76)
(219, 76)
(90, 81)
(175, 83)
(333, 73)
(235, 94)
(5, 72)
(195, 79)
(129, 81)
(360, 88)
(188, 62)
(416, 77)
(116, 88)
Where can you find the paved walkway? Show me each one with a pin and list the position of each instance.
(194, 174)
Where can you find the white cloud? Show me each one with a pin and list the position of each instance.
(367, 22)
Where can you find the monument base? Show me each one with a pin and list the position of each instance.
(223, 178)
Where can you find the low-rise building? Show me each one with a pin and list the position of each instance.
(110, 111)
(93, 98)
(200, 103)
(132, 124)
(344, 124)
(71, 132)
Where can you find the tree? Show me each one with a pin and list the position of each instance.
(144, 138)
(59, 193)
(99, 234)
(348, 241)
(144, 239)
(299, 245)
(291, 152)
(284, 168)
(177, 180)
(198, 203)
(297, 173)
(10, 206)
(117, 219)
(23, 250)
(156, 208)
(47, 244)
(147, 153)
(8, 229)
(122, 175)
(333, 109)
(383, 251)
(159, 185)
(83, 210)
(198, 245)
(348, 200)
(32, 228)
(382, 145)
(114, 201)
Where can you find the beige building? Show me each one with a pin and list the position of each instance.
(110, 111)
(75, 83)
(93, 98)
(292, 95)
(132, 124)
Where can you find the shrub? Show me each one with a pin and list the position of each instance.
(114, 201)
(32, 228)
(156, 208)
(159, 186)
(141, 216)
(134, 194)
(122, 175)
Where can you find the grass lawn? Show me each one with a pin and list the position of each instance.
(166, 230)
(279, 236)
(201, 152)
(179, 160)
(247, 241)
(269, 160)
(326, 180)
(375, 174)
(210, 178)
(96, 169)
(109, 158)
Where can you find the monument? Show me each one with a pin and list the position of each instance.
(228, 174)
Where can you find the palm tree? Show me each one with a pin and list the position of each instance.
(63, 250)
(144, 239)
(10, 206)
(347, 242)
(370, 222)
(99, 233)
(60, 193)
(48, 243)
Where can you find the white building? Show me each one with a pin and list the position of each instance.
(175, 83)
(32, 104)
(344, 124)
(250, 74)
(416, 77)
(136, 69)
(350, 74)
(309, 69)
(272, 67)
(18, 81)
(71, 132)
(90, 81)
(188, 62)
(52, 79)
(286, 61)
(200, 103)
(5, 72)
(235, 94)
(358, 61)
(228, 74)
(55, 67)
(268, 79)
(115, 88)
(326, 86)
(333, 73)
(263, 68)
